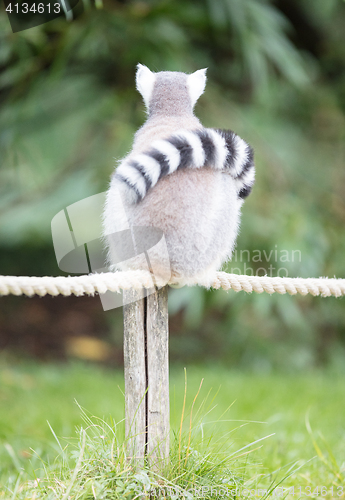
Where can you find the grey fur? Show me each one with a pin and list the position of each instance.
(170, 95)
(197, 209)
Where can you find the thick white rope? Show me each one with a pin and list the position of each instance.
(125, 280)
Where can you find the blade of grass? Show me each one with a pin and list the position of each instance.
(190, 422)
(77, 468)
(182, 416)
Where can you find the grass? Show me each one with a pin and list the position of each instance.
(241, 431)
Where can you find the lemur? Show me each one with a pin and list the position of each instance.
(184, 179)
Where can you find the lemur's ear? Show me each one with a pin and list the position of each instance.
(196, 84)
(145, 80)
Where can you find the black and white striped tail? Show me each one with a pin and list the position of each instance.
(222, 150)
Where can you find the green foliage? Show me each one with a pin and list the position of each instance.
(258, 35)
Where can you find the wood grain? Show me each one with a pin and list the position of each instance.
(158, 409)
(146, 364)
(135, 376)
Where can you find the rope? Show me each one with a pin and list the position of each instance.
(125, 280)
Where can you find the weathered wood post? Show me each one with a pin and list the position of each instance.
(146, 363)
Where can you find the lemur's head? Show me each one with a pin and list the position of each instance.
(170, 92)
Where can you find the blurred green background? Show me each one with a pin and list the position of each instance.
(69, 109)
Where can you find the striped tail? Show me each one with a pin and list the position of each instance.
(221, 150)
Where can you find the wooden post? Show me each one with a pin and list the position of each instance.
(135, 374)
(146, 363)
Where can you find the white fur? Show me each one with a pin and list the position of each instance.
(114, 211)
(133, 176)
(241, 155)
(196, 84)
(246, 180)
(145, 81)
(221, 149)
(114, 216)
(195, 143)
(172, 154)
(151, 166)
(249, 177)
(126, 192)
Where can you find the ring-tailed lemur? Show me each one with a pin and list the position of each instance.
(184, 179)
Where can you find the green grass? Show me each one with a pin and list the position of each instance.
(247, 431)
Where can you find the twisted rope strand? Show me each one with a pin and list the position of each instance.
(125, 280)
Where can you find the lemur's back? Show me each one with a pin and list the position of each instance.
(198, 209)
(199, 224)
